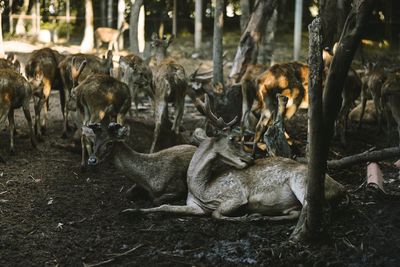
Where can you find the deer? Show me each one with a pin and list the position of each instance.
(135, 72)
(170, 85)
(15, 92)
(98, 98)
(390, 100)
(110, 36)
(161, 174)
(10, 62)
(43, 73)
(69, 73)
(272, 188)
(373, 81)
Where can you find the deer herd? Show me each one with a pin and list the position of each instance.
(216, 175)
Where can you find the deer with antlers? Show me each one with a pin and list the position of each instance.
(273, 188)
(170, 84)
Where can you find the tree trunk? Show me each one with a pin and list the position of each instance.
(248, 46)
(218, 74)
(198, 24)
(88, 42)
(20, 27)
(133, 28)
(331, 103)
(174, 17)
(110, 13)
(245, 10)
(2, 54)
(141, 30)
(121, 19)
(298, 17)
(267, 44)
(103, 18)
(312, 208)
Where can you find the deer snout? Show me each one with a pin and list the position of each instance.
(93, 161)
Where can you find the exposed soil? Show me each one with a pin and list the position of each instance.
(52, 214)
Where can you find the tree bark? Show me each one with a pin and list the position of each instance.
(248, 46)
(267, 44)
(103, 18)
(133, 28)
(218, 74)
(174, 17)
(298, 17)
(312, 220)
(110, 13)
(2, 54)
(88, 41)
(121, 19)
(198, 24)
(245, 10)
(20, 27)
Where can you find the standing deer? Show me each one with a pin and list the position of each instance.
(15, 92)
(99, 98)
(69, 73)
(110, 36)
(273, 187)
(161, 174)
(135, 72)
(44, 75)
(170, 85)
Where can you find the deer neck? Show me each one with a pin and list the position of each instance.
(160, 56)
(199, 170)
(134, 164)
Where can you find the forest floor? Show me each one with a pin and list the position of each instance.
(51, 214)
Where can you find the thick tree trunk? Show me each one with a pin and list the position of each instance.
(110, 13)
(121, 19)
(267, 45)
(103, 17)
(20, 27)
(312, 207)
(245, 10)
(133, 28)
(174, 17)
(298, 17)
(218, 74)
(248, 46)
(88, 41)
(348, 43)
(198, 24)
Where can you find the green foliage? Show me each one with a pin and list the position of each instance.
(60, 27)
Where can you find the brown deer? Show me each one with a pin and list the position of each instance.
(161, 174)
(390, 100)
(10, 62)
(99, 98)
(274, 187)
(170, 85)
(69, 73)
(135, 72)
(110, 36)
(15, 92)
(373, 80)
(44, 75)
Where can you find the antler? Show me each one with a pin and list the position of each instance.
(217, 122)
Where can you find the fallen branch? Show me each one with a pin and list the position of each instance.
(366, 156)
(115, 256)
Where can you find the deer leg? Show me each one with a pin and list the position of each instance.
(38, 107)
(363, 104)
(110, 45)
(166, 198)
(179, 107)
(63, 97)
(161, 111)
(261, 128)
(46, 93)
(84, 153)
(181, 210)
(11, 129)
(28, 118)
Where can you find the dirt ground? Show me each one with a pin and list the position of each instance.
(51, 214)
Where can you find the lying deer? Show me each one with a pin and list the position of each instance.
(170, 85)
(69, 73)
(390, 100)
(274, 186)
(161, 174)
(43, 73)
(135, 72)
(110, 36)
(99, 98)
(15, 92)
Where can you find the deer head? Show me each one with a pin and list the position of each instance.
(103, 139)
(223, 144)
(160, 45)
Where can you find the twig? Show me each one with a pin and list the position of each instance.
(115, 256)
